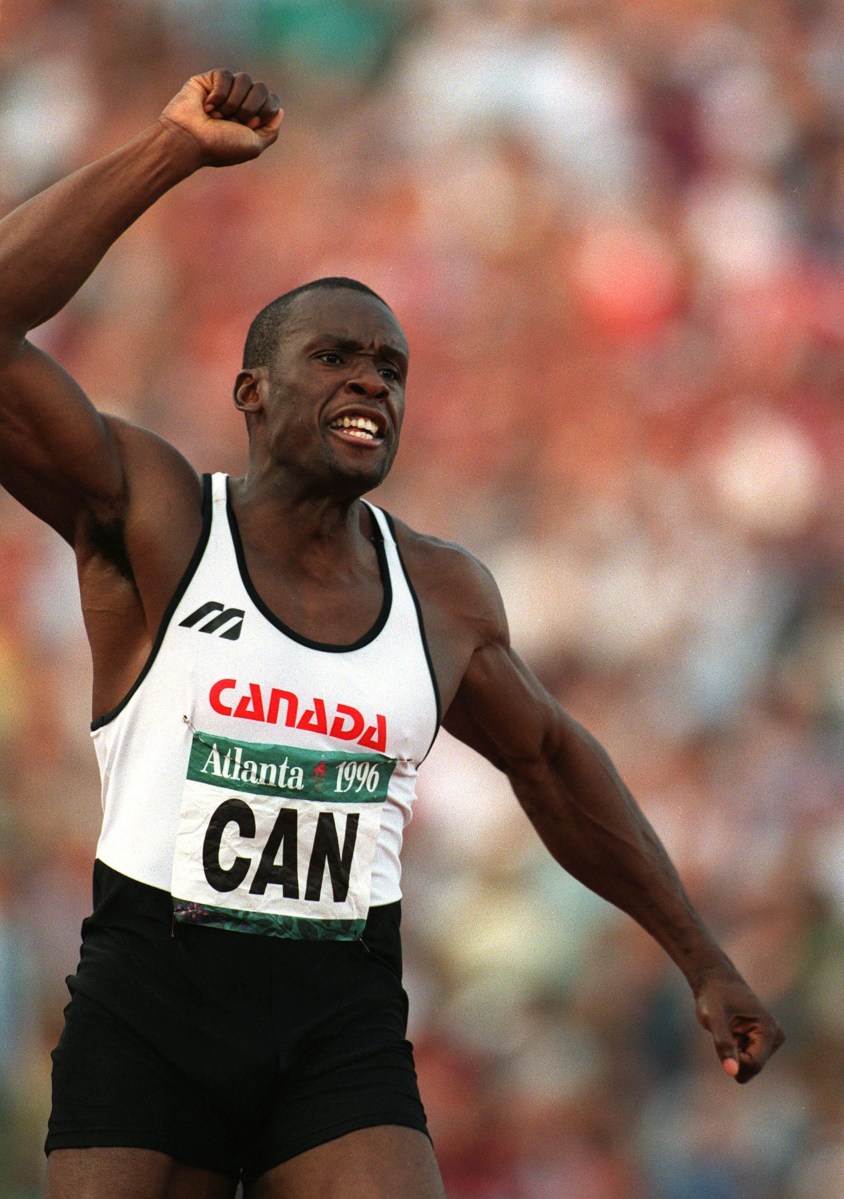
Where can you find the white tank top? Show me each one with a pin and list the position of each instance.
(261, 778)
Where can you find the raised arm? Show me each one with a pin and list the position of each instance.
(57, 455)
(594, 828)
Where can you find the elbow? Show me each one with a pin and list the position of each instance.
(537, 762)
(532, 777)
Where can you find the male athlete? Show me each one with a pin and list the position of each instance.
(272, 657)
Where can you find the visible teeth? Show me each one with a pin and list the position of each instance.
(358, 426)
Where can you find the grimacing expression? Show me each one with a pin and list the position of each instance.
(336, 384)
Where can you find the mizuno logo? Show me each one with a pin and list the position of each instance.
(230, 620)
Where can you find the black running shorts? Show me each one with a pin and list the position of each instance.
(228, 1051)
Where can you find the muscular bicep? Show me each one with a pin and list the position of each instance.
(57, 454)
(501, 710)
(491, 700)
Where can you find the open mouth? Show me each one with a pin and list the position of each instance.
(360, 428)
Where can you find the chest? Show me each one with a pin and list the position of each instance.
(343, 664)
(335, 606)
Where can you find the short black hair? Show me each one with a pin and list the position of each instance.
(267, 327)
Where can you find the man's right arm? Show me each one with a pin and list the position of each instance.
(57, 455)
(572, 793)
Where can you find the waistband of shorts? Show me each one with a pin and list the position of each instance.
(123, 904)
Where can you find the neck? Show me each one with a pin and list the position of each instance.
(298, 519)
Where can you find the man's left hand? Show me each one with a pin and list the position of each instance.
(744, 1032)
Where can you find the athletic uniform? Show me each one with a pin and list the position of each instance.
(238, 998)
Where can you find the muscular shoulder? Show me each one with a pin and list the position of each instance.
(450, 576)
(462, 611)
(132, 550)
(148, 458)
(155, 517)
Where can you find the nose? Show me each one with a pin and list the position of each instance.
(367, 382)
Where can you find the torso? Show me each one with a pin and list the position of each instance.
(256, 708)
(123, 615)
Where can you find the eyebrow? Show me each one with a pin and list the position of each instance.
(350, 346)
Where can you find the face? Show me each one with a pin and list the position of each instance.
(335, 392)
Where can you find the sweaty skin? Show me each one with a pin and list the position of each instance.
(130, 505)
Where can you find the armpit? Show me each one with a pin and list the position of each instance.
(107, 540)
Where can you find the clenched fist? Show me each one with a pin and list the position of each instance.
(231, 118)
(744, 1033)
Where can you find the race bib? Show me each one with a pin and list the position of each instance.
(278, 840)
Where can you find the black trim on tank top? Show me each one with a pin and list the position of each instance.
(422, 633)
(278, 623)
(182, 586)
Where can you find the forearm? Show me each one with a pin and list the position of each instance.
(594, 828)
(51, 244)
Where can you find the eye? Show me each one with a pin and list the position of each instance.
(389, 372)
(331, 357)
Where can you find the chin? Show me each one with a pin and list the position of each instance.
(369, 481)
(361, 478)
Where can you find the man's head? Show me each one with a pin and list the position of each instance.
(322, 385)
(268, 328)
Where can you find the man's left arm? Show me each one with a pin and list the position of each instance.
(593, 827)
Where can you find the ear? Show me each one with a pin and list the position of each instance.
(250, 389)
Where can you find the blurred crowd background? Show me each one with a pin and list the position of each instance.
(614, 233)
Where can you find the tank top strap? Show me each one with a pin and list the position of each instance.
(224, 548)
(219, 489)
(381, 530)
